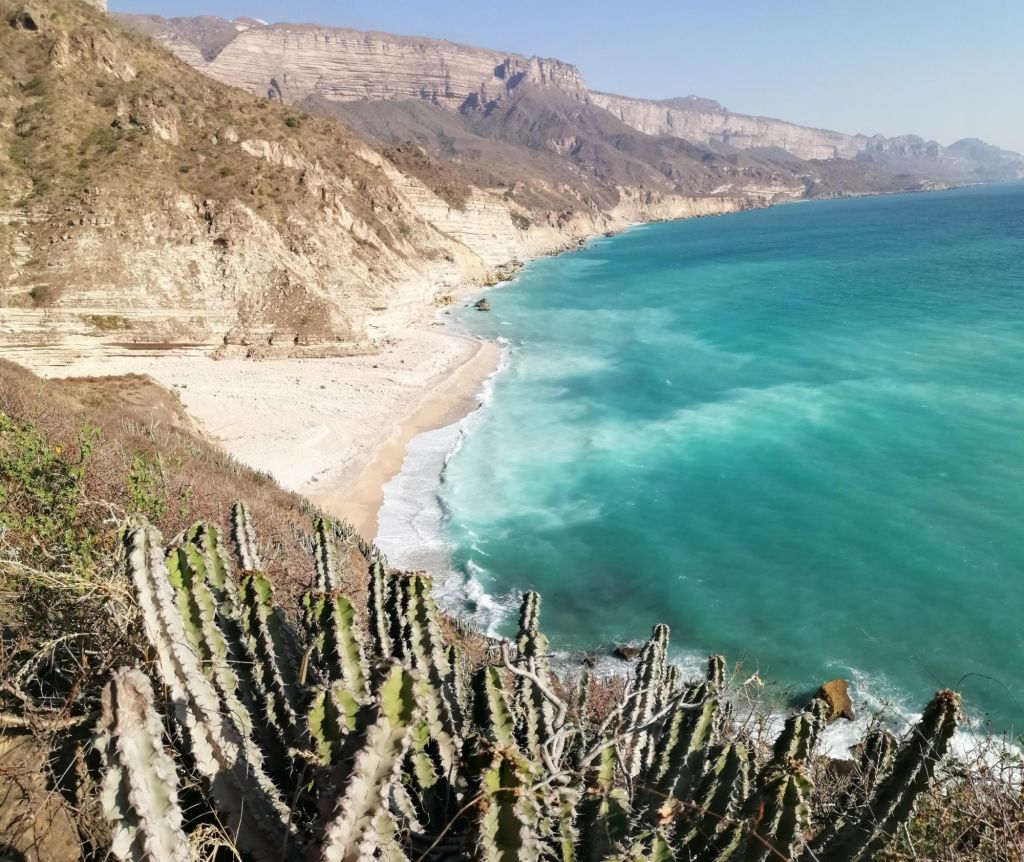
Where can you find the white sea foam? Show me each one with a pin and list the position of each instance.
(410, 525)
(411, 534)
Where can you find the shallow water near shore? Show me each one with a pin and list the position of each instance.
(795, 435)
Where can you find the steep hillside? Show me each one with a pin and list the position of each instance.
(143, 201)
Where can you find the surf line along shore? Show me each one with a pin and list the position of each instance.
(358, 494)
(336, 429)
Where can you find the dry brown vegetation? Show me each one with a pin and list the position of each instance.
(88, 105)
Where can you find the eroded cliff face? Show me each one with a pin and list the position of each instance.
(293, 62)
(192, 213)
(702, 125)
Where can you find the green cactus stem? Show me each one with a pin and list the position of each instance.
(894, 800)
(244, 537)
(139, 793)
(354, 832)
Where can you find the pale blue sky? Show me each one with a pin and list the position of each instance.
(938, 68)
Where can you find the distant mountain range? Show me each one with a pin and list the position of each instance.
(353, 180)
(295, 63)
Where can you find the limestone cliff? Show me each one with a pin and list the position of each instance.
(707, 123)
(292, 63)
(166, 207)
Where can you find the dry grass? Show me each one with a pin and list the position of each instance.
(67, 610)
(148, 459)
(84, 96)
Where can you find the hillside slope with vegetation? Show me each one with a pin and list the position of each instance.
(348, 716)
(142, 201)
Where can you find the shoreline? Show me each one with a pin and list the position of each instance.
(278, 414)
(335, 430)
(358, 498)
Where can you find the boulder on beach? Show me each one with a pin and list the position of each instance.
(836, 693)
(482, 305)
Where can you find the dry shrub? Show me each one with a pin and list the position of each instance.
(974, 812)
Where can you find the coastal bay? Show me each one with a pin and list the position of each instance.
(792, 435)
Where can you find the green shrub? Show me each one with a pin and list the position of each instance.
(107, 322)
(520, 221)
(147, 488)
(41, 494)
(42, 294)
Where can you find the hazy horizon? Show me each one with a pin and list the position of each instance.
(899, 68)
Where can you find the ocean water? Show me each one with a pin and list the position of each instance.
(794, 435)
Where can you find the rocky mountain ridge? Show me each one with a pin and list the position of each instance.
(164, 207)
(294, 62)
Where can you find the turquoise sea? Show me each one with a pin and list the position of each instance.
(796, 435)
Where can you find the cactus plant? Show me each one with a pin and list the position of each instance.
(326, 580)
(893, 802)
(244, 537)
(381, 752)
(353, 833)
(243, 793)
(140, 784)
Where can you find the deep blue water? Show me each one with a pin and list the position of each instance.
(795, 435)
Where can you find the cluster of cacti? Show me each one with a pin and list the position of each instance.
(367, 736)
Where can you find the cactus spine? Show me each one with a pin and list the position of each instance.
(783, 816)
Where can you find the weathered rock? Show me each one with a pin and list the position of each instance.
(342, 64)
(836, 693)
(27, 19)
(482, 305)
(626, 652)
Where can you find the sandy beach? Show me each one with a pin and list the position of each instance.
(335, 430)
